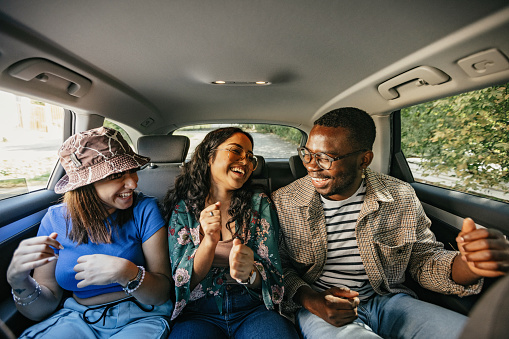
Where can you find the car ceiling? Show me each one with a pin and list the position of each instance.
(151, 62)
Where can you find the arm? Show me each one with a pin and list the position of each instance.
(35, 253)
(336, 306)
(156, 286)
(184, 244)
(264, 244)
(150, 233)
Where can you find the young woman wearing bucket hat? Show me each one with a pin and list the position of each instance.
(105, 243)
(223, 236)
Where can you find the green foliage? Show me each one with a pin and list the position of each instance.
(464, 136)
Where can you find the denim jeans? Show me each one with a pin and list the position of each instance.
(123, 320)
(244, 316)
(388, 316)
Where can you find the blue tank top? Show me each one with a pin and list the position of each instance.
(126, 243)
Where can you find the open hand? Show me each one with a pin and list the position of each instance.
(32, 253)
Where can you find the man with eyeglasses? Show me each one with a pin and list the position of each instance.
(349, 234)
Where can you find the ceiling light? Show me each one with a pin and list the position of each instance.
(241, 83)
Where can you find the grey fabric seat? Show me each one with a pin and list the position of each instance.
(261, 174)
(297, 167)
(167, 155)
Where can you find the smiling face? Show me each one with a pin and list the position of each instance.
(344, 177)
(116, 191)
(226, 174)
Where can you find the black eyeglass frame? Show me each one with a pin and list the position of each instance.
(320, 154)
(241, 157)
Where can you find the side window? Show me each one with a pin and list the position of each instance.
(270, 141)
(461, 142)
(30, 134)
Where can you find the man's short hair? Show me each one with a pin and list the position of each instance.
(359, 123)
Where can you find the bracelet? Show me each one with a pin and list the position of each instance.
(134, 284)
(21, 301)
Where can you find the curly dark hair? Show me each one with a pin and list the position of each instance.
(193, 184)
(359, 123)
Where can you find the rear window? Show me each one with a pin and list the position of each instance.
(270, 141)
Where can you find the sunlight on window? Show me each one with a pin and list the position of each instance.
(30, 135)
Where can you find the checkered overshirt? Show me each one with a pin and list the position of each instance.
(392, 234)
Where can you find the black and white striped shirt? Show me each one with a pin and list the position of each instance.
(343, 267)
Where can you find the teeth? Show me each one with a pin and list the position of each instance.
(125, 195)
(238, 169)
(318, 179)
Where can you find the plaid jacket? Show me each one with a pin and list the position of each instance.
(392, 234)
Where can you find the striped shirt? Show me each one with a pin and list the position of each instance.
(343, 267)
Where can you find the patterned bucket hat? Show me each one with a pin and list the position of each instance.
(93, 155)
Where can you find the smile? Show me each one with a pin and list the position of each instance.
(238, 170)
(125, 195)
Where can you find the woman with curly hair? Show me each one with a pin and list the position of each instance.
(223, 237)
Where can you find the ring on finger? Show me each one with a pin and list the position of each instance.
(211, 213)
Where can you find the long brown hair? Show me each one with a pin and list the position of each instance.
(87, 214)
(193, 185)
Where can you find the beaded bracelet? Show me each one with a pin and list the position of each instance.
(21, 301)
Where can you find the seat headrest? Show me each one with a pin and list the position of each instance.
(164, 148)
(297, 167)
(261, 171)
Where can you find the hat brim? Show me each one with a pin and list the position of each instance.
(89, 175)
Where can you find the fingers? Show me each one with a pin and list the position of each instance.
(343, 292)
(241, 260)
(468, 225)
(340, 303)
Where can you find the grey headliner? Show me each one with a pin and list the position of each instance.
(156, 58)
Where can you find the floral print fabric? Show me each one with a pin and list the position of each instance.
(261, 236)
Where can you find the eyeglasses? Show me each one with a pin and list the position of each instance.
(237, 154)
(323, 160)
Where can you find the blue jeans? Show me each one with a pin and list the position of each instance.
(244, 316)
(388, 316)
(123, 320)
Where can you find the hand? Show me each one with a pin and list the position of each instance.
(486, 251)
(102, 269)
(211, 224)
(31, 253)
(241, 261)
(337, 306)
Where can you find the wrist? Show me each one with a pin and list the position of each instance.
(129, 273)
(305, 296)
(133, 284)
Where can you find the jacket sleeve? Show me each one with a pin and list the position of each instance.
(264, 243)
(183, 240)
(431, 264)
(292, 276)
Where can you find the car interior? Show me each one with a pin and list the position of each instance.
(155, 68)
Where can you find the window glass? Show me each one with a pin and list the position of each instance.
(31, 133)
(461, 142)
(270, 141)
